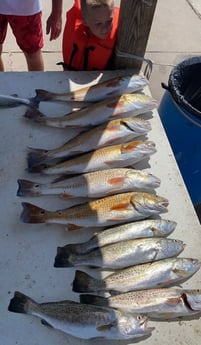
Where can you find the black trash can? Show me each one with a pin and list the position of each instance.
(180, 113)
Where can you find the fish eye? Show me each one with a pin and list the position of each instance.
(139, 317)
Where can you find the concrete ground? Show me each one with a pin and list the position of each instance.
(175, 35)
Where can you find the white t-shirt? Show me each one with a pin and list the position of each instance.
(20, 7)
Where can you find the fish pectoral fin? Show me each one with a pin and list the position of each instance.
(173, 300)
(180, 273)
(112, 162)
(44, 322)
(116, 181)
(124, 206)
(72, 227)
(67, 196)
(104, 328)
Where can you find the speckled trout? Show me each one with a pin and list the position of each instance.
(99, 91)
(121, 254)
(157, 304)
(110, 133)
(82, 320)
(96, 184)
(107, 211)
(114, 156)
(141, 229)
(156, 274)
(98, 113)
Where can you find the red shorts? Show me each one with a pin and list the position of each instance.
(26, 29)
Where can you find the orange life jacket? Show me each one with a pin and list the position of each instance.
(81, 49)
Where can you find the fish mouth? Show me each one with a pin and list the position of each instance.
(143, 324)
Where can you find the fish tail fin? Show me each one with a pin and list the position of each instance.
(93, 299)
(36, 168)
(21, 303)
(27, 188)
(43, 95)
(32, 214)
(83, 282)
(65, 256)
(36, 156)
(34, 114)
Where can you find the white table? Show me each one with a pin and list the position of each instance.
(27, 251)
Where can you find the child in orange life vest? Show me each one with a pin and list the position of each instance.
(89, 35)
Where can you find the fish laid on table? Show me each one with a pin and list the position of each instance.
(82, 320)
(114, 156)
(14, 100)
(97, 92)
(157, 274)
(107, 211)
(93, 185)
(98, 113)
(157, 304)
(110, 133)
(141, 229)
(121, 254)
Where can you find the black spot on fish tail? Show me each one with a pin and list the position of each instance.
(32, 214)
(18, 304)
(25, 187)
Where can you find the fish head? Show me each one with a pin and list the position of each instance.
(142, 101)
(192, 298)
(141, 148)
(143, 178)
(137, 81)
(184, 267)
(132, 326)
(136, 124)
(149, 201)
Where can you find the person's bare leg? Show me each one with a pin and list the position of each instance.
(1, 61)
(35, 61)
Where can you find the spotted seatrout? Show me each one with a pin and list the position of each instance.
(157, 274)
(99, 91)
(97, 113)
(82, 320)
(114, 156)
(119, 208)
(141, 229)
(93, 185)
(111, 133)
(121, 254)
(160, 304)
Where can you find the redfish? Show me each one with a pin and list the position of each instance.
(93, 185)
(110, 133)
(114, 156)
(98, 113)
(119, 208)
(99, 91)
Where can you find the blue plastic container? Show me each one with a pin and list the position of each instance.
(180, 113)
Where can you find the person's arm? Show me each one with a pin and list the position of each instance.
(54, 21)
